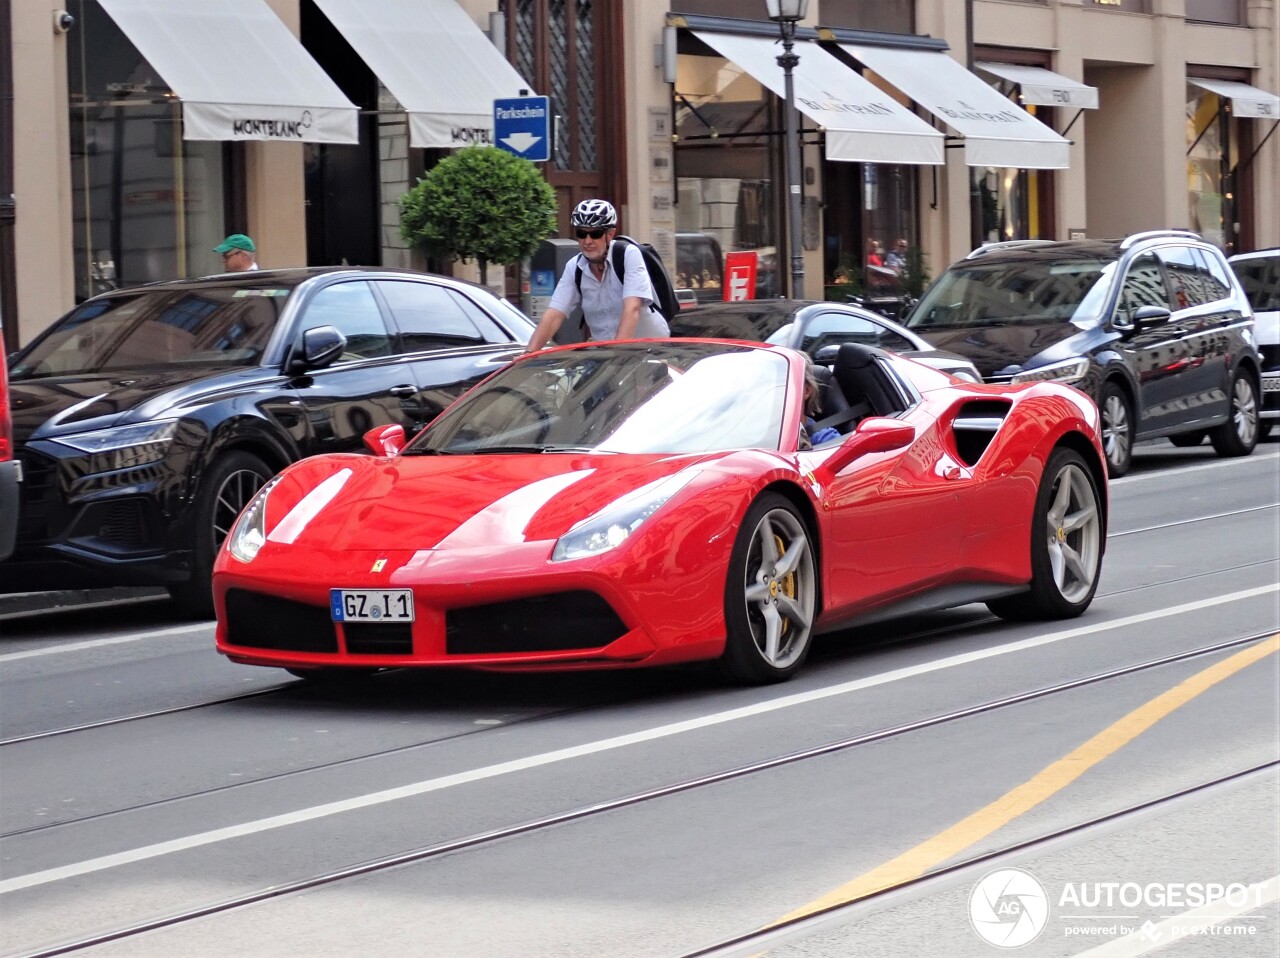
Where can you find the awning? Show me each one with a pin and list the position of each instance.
(239, 72)
(435, 60)
(1041, 87)
(1245, 100)
(863, 124)
(996, 132)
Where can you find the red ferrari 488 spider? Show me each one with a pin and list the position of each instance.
(652, 502)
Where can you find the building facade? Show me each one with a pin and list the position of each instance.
(142, 131)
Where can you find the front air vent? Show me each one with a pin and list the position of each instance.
(259, 621)
(562, 621)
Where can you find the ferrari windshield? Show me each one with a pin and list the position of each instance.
(1031, 291)
(650, 397)
(220, 326)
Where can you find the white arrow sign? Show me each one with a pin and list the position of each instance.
(521, 142)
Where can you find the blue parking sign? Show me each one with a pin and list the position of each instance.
(522, 125)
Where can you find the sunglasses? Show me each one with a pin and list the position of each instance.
(594, 234)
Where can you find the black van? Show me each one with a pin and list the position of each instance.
(1154, 327)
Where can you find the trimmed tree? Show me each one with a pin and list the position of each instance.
(479, 202)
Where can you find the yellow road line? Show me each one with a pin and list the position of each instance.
(946, 844)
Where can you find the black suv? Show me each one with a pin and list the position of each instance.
(1155, 327)
(146, 418)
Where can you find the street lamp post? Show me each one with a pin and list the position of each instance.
(786, 13)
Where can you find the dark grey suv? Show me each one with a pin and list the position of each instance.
(1155, 327)
(146, 418)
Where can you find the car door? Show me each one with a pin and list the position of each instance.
(1203, 315)
(895, 524)
(370, 384)
(450, 341)
(1156, 351)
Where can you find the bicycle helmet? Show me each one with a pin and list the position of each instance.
(594, 214)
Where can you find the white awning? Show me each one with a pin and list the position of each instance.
(996, 131)
(435, 60)
(1245, 100)
(863, 124)
(239, 72)
(1041, 87)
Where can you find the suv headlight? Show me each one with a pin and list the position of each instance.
(1069, 371)
(124, 447)
(250, 531)
(614, 524)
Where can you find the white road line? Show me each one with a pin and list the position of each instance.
(592, 748)
(1194, 923)
(99, 643)
(1184, 470)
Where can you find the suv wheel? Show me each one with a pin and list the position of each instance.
(1239, 434)
(1117, 429)
(228, 486)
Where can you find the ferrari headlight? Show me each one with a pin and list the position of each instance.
(124, 447)
(614, 524)
(1068, 371)
(250, 530)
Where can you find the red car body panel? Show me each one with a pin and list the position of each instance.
(468, 532)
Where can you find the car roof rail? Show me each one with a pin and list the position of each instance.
(1155, 234)
(1006, 244)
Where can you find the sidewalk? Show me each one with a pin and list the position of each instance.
(36, 603)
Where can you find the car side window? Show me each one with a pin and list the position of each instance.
(1143, 286)
(352, 309)
(433, 317)
(1186, 276)
(1260, 278)
(1216, 275)
(832, 329)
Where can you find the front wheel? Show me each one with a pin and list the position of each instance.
(1239, 434)
(225, 490)
(770, 595)
(1117, 429)
(1066, 544)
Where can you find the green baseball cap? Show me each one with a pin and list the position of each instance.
(235, 241)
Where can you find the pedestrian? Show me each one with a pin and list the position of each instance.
(238, 253)
(896, 260)
(613, 306)
(874, 257)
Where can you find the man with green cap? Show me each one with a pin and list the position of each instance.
(238, 253)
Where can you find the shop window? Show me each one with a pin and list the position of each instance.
(147, 204)
(1211, 156)
(1128, 6)
(724, 161)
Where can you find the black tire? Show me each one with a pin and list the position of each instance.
(1239, 434)
(1117, 429)
(1067, 538)
(225, 490)
(1185, 440)
(770, 598)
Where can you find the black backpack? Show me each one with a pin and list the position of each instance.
(664, 291)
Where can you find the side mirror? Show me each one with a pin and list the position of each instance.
(320, 347)
(874, 434)
(826, 355)
(1145, 317)
(385, 440)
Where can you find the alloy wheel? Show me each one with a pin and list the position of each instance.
(780, 588)
(1074, 530)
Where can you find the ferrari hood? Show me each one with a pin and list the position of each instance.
(348, 503)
